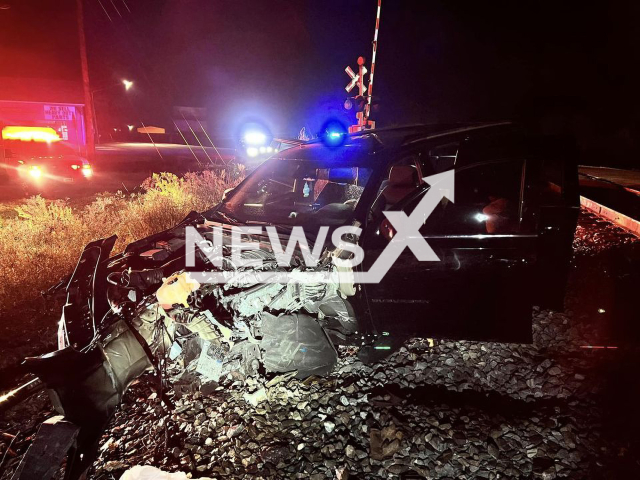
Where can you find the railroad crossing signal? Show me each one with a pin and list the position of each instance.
(356, 79)
(360, 100)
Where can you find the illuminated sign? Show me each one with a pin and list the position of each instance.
(64, 132)
(59, 112)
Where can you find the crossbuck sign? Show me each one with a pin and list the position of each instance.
(355, 78)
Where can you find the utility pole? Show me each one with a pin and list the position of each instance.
(88, 97)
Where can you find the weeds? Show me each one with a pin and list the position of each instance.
(43, 243)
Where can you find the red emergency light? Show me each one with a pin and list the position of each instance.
(30, 134)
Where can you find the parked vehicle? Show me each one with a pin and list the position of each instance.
(37, 158)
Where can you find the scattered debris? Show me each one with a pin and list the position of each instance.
(151, 473)
(256, 397)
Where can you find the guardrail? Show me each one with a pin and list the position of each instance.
(623, 221)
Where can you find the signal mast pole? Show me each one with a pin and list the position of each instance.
(363, 102)
(367, 110)
(362, 71)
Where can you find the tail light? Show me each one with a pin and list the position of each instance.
(87, 171)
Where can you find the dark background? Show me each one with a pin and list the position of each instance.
(571, 65)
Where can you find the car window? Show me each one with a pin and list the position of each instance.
(439, 158)
(298, 192)
(402, 178)
(546, 183)
(487, 201)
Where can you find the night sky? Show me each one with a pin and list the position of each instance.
(571, 63)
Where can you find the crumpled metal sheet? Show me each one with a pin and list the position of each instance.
(91, 391)
(336, 307)
(202, 325)
(211, 360)
(296, 342)
(252, 301)
(125, 355)
(299, 295)
(147, 324)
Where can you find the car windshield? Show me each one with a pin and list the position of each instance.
(298, 192)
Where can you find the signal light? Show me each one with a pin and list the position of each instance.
(358, 103)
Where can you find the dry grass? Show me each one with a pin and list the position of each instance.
(43, 243)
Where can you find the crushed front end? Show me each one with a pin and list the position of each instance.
(141, 310)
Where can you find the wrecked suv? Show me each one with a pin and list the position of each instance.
(502, 243)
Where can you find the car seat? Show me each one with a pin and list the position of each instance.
(402, 180)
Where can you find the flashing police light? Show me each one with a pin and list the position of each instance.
(333, 133)
(254, 133)
(255, 137)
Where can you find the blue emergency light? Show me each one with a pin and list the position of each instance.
(333, 133)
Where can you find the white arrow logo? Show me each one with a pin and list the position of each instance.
(407, 235)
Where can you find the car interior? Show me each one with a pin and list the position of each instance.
(403, 179)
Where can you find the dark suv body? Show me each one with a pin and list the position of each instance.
(503, 244)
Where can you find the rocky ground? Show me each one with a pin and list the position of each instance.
(558, 408)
